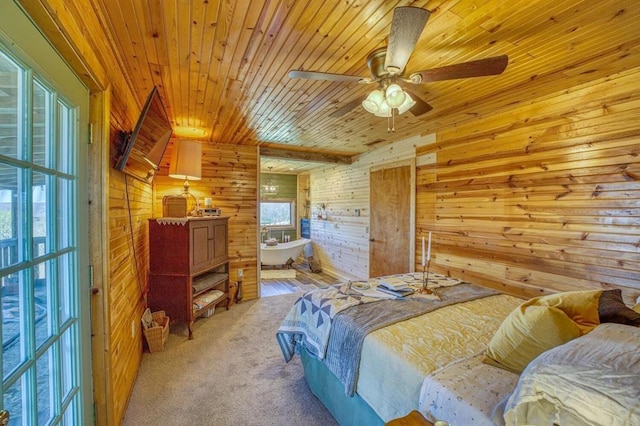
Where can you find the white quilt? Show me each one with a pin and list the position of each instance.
(466, 392)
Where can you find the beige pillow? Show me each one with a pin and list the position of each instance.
(528, 331)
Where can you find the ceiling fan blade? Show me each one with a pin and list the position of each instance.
(421, 107)
(406, 27)
(314, 75)
(482, 67)
(347, 107)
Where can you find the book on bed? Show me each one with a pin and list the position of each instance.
(401, 292)
(393, 283)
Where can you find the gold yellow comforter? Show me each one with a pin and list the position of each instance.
(396, 359)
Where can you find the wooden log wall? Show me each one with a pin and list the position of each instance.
(543, 196)
(341, 242)
(229, 177)
(130, 207)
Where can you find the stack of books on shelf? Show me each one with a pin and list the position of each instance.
(394, 286)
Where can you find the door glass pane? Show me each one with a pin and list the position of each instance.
(65, 205)
(67, 372)
(41, 126)
(66, 267)
(41, 214)
(43, 300)
(12, 230)
(45, 386)
(10, 102)
(66, 138)
(70, 417)
(13, 295)
(13, 399)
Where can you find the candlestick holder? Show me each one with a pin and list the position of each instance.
(425, 279)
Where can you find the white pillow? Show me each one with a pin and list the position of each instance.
(591, 380)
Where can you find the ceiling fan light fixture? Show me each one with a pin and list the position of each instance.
(373, 101)
(406, 105)
(395, 95)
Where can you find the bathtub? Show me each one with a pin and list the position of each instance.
(280, 254)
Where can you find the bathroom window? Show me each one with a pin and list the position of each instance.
(278, 214)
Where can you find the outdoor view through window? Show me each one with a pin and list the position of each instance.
(277, 213)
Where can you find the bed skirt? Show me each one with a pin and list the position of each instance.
(348, 411)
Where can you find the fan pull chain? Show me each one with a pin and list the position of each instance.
(393, 121)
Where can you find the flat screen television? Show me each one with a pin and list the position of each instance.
(141, 151)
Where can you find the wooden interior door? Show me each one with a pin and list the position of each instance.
(390, 221)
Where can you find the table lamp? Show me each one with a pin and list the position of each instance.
(186, 163)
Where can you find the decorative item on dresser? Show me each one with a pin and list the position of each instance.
(189, 266)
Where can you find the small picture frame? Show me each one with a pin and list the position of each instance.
(356, 212)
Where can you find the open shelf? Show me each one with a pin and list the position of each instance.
(205, 282)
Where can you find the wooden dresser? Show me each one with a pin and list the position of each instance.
(188, 267)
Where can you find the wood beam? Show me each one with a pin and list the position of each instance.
(316, 157)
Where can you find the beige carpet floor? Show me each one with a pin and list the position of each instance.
(231, 373)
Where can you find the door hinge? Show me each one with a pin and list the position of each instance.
(93, 289)
(90, 133)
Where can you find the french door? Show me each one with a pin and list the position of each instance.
(45, 359)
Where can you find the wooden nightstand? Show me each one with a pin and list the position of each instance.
(414, 418)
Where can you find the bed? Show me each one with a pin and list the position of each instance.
(370, 360)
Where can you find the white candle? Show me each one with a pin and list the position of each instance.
(208, 202)
(429, 247)
(423, 253)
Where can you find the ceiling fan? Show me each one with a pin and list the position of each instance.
(387, 66)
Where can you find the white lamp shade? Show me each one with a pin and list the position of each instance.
(384, 110)
(395, 95)
(406, 105)
(186, 160)
(373, 101)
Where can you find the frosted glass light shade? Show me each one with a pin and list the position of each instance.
(395, 95)
(384, 110)
(406, 105)
(373, 101)
(186, 160)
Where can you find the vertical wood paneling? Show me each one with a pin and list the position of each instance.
(229, 177)
(543, 196)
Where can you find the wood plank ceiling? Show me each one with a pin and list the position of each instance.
(221, 66)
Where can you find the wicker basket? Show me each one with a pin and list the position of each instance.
(157, 336)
